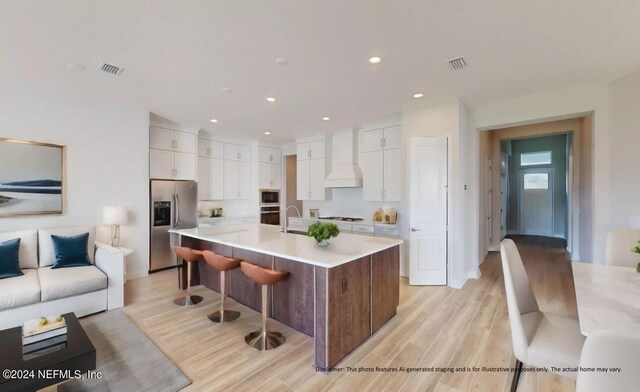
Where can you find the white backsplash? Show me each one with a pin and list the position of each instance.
(230, 207)
(347, 202)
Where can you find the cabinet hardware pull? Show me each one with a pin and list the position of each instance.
(384, 142)
(270, 158)
(381, 145)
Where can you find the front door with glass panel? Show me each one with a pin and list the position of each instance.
(536, 201)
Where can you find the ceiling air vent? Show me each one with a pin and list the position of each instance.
(110, 68)
(457, 63)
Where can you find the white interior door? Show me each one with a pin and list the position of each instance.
(428, 183)
(536, 202)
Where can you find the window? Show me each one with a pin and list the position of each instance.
(535, 158)
(536, 181)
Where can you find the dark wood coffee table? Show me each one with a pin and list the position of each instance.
(77, 358)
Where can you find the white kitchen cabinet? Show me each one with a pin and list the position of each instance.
(316, 179)
(167, 139)
(237, 152)
(392, 138)
(210, 148)
(363, 229)
(381, 139)
(392, 180)
(270, 175)
(381, 164)
(269, 155)
(184, 142)
(172, 154)
(372, 166)
(243, 221)
(310, 179)
(237, 180)
(210, 179)
(310, 150)
(303, 191)
(161, 139)
(185, 166)
(161, 164)
(371, 140)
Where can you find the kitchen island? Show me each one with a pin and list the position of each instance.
(340, 295)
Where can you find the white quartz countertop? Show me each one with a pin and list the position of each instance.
(269, 240)
(608, 297)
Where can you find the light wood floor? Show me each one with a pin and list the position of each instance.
(435, 326)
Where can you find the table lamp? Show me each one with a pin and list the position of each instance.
(114, 216)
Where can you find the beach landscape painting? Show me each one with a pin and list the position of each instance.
(31, 178)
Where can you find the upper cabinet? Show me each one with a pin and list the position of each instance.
(210, 149)
(224, 170)
(172, 154)
(269, 154)
(381, 161)
(309, 150)
(381, 139)
(237, 152)
(270, 167)
(311, 170)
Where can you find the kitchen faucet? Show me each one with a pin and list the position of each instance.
(283, 229)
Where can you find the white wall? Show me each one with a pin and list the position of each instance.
(106, 159)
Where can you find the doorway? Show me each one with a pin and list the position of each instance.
(540, 184)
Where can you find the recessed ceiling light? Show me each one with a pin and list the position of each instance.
(226, 89)
(418, 95)
(282, 61)
(267, 133)
(326, 118)
(375, 60)
(213, 120)
(271, 99)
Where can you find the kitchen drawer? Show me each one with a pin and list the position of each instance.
(243, 221)
(387, 231)
(344, 227)
(362, 229)
(208, 222)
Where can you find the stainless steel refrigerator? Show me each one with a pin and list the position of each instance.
(174, 205)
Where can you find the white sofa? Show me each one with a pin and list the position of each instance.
(44, 291)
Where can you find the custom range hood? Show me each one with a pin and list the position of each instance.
(345, 172)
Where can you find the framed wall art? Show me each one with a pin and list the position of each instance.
(31, 178)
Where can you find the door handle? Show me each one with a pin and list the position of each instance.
(414, 229)
(177, 211)
(173, 199)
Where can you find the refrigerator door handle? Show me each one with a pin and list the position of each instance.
(173, 211)
(177, 210)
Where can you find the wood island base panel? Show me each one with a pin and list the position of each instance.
(340, 306)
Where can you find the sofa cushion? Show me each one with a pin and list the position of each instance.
(9, 259)
(19, 291)
(28, 246)
(70, 251)
(67, 282)
(47, 254)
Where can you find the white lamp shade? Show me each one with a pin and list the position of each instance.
(114, 215)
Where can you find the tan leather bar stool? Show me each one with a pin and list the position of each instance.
(190, 256)
(263, 339)
(222, 264)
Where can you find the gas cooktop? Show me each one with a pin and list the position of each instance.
(342, 218)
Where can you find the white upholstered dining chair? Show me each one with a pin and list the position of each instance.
(539, 339)
(610, 349)
(619, 244)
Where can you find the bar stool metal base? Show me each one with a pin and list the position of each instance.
(273, 340)
(228, 315)
(188, 300)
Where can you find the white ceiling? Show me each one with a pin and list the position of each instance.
(178, 55)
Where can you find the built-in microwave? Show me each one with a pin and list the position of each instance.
(269, 197)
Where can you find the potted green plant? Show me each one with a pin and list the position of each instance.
(321, 232)
(636, 249)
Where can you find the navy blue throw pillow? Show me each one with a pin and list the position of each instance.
(70, 251)
(9, 259)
